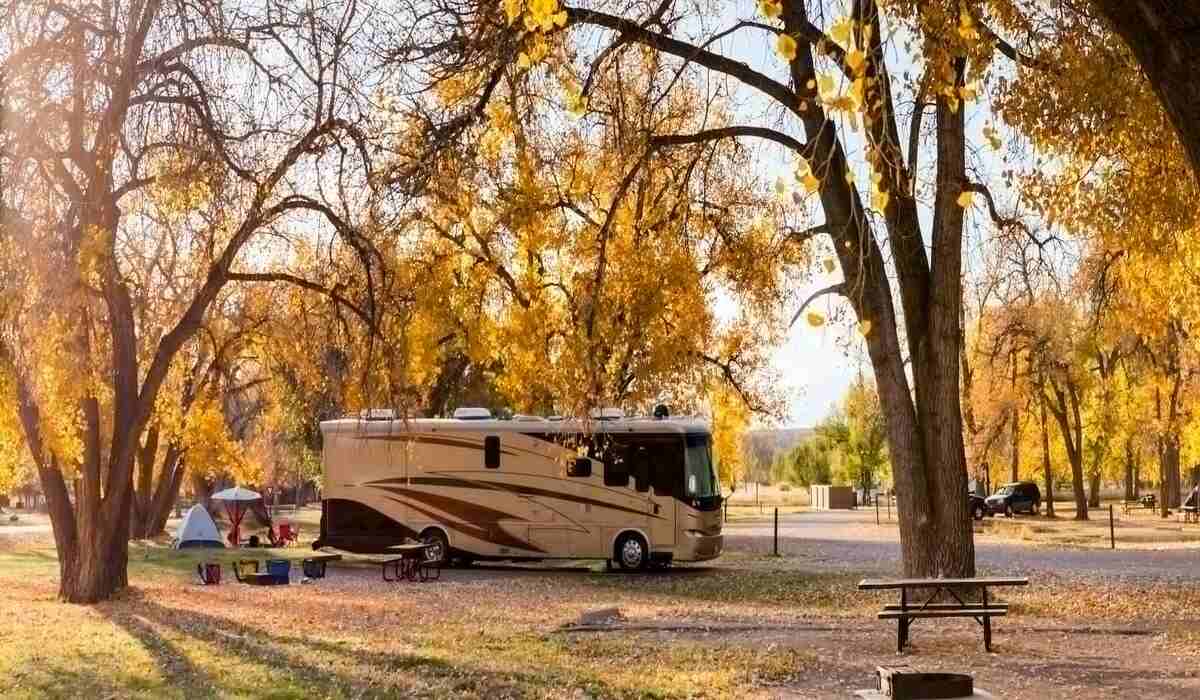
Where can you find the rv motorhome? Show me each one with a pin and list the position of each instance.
(635, 491)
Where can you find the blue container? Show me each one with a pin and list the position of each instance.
(280, 569)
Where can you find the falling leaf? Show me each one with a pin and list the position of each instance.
(864, 327)
(815, 319)
(965, 199)
(830, 265)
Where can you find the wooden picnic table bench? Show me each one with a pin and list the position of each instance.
(1147, 501)
(982, 610)
(411, 562)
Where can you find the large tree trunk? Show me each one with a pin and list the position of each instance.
(1130, 477)
(1169, 479)
(1065, 408)
(1162, 35)
(150, 516)
(924, 425)
(1016, 424)
(1094, 489)
(1047, 471)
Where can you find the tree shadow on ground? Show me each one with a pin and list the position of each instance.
(317, 666)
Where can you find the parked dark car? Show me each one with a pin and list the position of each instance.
(976, 506)
(1017, 497)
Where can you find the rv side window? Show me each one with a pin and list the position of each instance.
(491, 452)
(581, 467)
(615, 457)
(640, 463)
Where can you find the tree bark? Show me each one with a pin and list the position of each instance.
(1094, 488)
(1131, 485)
(1016, 423)
(1047, 471)
(1065, 408)
(1169, 477)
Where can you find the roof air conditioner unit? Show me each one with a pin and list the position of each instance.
(472, 413)
(608, 414)
(377, 414)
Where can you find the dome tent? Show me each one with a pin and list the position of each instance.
(197, 529)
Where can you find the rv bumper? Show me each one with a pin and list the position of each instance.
(697, 546)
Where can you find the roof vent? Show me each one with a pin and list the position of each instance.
(608, 414)
(472, 413)
(377, 414)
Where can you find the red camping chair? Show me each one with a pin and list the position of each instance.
(287, 535)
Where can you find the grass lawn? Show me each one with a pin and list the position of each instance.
(1139, 528)
(747, 627)
(478, 633)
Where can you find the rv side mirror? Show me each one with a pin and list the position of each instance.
(581, 467)
(491, 452)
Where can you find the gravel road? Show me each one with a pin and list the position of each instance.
(850, 540)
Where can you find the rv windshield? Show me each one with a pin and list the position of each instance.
(701, 478)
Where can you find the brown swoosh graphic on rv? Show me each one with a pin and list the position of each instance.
(528, 491)
(466, 510)
(496, 535)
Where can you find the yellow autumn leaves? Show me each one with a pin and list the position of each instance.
(540, 15)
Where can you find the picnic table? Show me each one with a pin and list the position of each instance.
(1147, 501)
(412, 562)
(925, 598)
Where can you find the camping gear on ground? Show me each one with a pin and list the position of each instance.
(237, 502)
(280, 569)
(246, 571)
(314, 566)
(243, 568)
(197, 530)
(210, 573)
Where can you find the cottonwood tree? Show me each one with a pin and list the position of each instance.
(1161, 35)
(597, 262)
(225, 105)
(830, 75)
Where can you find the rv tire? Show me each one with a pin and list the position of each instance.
(441, 552)
(631, 552)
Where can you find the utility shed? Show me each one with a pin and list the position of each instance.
(826, 497)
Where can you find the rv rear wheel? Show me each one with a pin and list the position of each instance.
(440, 552)
(631, 552)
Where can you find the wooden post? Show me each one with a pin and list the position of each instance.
(876, 509)
(1112, 533)
(888, 500)
(776, 532)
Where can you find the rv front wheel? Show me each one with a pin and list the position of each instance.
(439, 552)
(632, 552)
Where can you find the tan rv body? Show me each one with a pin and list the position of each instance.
(388, 480)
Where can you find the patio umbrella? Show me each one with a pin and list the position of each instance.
(237, 500)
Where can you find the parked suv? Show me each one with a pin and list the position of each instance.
(1017, 497)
